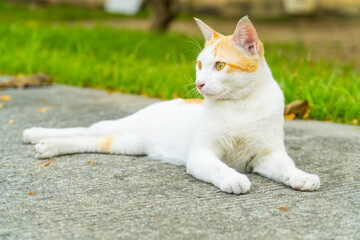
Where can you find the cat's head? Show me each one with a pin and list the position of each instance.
(227, 67)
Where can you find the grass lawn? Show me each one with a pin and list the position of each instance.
(153, 64)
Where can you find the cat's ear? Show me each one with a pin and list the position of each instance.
(207, 31)
(245, 36)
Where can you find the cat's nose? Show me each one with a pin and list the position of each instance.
(199, 85)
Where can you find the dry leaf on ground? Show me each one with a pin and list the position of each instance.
(283, 208)
(43, 110)
(31, 193)
(11, 121)
(1, 105)
(91, 162)
(21, 81)
(290, 116)
(5, 98)
(293, 109)
(48, 163)
(297, 107)
(306, 114)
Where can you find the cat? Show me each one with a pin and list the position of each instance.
(238, 127)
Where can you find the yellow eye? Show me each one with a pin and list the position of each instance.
(199, 65)
(220, 65)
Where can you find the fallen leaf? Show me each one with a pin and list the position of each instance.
(355, 121)
(5, 98)
(48, 163)
(290, 116)
(306, 114)
(43, 110)
(21, 81)
(299, 107)
(43, 99)
(1, 105)
(11, 121)
(283, 208)
(91, 162)
(31, 193)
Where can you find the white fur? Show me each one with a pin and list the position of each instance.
(238, 128)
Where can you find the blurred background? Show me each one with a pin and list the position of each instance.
(149, 47)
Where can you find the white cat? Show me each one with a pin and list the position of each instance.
(238, 127)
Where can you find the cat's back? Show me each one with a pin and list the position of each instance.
(175, 110)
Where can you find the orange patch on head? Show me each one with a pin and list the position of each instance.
(216, 37)
(212, 41)
(236, 59)
(261, 49)
(105, 145)
(193, 101)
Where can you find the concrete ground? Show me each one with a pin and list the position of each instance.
(124, 197)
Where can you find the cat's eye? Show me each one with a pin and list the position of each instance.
(220, 65)
(199, 65)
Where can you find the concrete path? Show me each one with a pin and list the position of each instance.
(124, 197)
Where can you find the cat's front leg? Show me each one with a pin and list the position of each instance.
(280, 167)
(206, 166)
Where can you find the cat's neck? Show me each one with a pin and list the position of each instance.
(248, 96)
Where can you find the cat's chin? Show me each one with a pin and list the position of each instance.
(216, 96)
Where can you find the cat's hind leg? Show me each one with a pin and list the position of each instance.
(34, 135)
(102, 128)
(127, 144)
(280, 167)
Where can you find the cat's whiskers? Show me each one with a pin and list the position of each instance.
(194, 51)
(192, 92)
(195, 43)
(189, 79)
(190, 83)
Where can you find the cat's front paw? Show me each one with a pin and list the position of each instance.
(33, 135)
(303, 181)
(46, 149)
(235, 183)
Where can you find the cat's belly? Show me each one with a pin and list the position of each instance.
(169, 129)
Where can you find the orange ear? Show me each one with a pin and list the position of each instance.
(245, 36)
(207, 31)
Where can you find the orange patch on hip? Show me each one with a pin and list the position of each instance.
(105, 145)
(193, 101)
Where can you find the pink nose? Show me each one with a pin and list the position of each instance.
(200, 85)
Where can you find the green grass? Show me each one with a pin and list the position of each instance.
(159, 65)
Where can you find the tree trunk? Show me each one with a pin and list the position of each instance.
(163, 14)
